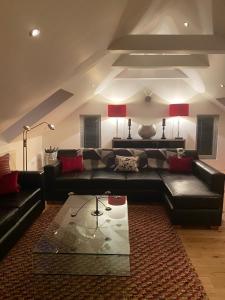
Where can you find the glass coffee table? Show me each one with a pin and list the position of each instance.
(88, 236)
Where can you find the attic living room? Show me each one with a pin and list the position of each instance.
(112, 149)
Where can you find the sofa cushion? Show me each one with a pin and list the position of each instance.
(145, 179)
(73, 163)
(73, 179)
(8, 183)
(106, 175)
(105, 180)
(144, 176)
(68, 152)
(156, 158)
(8, 217)
(142, 158)
(23, 200)
(189, 192)
(4, 164)
(180, 164)
(126, 164)
(93, 159)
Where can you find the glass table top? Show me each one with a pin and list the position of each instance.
(78, 242)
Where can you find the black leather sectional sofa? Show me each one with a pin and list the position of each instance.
(195, 198)
(18, 210)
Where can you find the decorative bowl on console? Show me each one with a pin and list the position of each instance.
(147, 131)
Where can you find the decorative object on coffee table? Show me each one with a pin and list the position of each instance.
(27, 128)
(129, 126)
(147, 131)
(163, 126)
(117, 111)
(178, 110)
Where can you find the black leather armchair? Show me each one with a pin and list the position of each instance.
(18, 210)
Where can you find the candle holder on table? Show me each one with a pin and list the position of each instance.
(163, 126)
(129, 128)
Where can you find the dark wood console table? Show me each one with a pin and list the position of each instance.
(139, 143)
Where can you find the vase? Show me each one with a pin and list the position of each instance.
(147, 131)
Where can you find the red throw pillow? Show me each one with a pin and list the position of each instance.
(4, 165)
(8, 183)
(180, 165)
(72, 163)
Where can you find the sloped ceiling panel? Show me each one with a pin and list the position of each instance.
(36, 114)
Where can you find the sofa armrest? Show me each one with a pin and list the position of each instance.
(52, 171)
(30, 179)
(212, 177)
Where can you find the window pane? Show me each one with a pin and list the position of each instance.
(206, 135)
(91, 131)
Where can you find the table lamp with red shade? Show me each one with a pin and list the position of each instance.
(117, 111)
(178, 110)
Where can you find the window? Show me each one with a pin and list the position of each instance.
(207, 135)
(90, 131)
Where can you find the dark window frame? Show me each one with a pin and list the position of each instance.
(82, 137)
(215, 135)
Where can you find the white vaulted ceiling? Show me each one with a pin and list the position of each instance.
(84, 48)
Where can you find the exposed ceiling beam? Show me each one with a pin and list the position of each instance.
(184, 44)
(151, 74)
(161, 61)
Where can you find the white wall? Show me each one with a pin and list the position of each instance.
(15, 149)
(67, 134)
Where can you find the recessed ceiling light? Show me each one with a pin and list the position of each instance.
(186, 24)
(222, 85)
(35, 32)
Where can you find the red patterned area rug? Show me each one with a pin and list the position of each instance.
(160, 267)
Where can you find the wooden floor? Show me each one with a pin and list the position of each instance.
(206, 249)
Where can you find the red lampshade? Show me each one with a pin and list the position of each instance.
(180, 109)
(119, 110)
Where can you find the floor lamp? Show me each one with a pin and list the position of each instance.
(117, 111)
(178, 110)
(27, 128)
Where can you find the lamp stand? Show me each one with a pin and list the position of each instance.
(27, 128)
(24, 150)
(96, 212)
(178, 130)
(129, 128)
(163, 133)
(117, 129)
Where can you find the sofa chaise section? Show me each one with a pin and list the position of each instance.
(197, 198)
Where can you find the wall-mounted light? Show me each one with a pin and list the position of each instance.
(35, 32)
(186, 24)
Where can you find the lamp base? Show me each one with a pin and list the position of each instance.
(96, 213)
(178, 138)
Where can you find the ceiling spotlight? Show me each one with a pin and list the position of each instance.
(222, 85)
(186, 24)
(34, 32)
